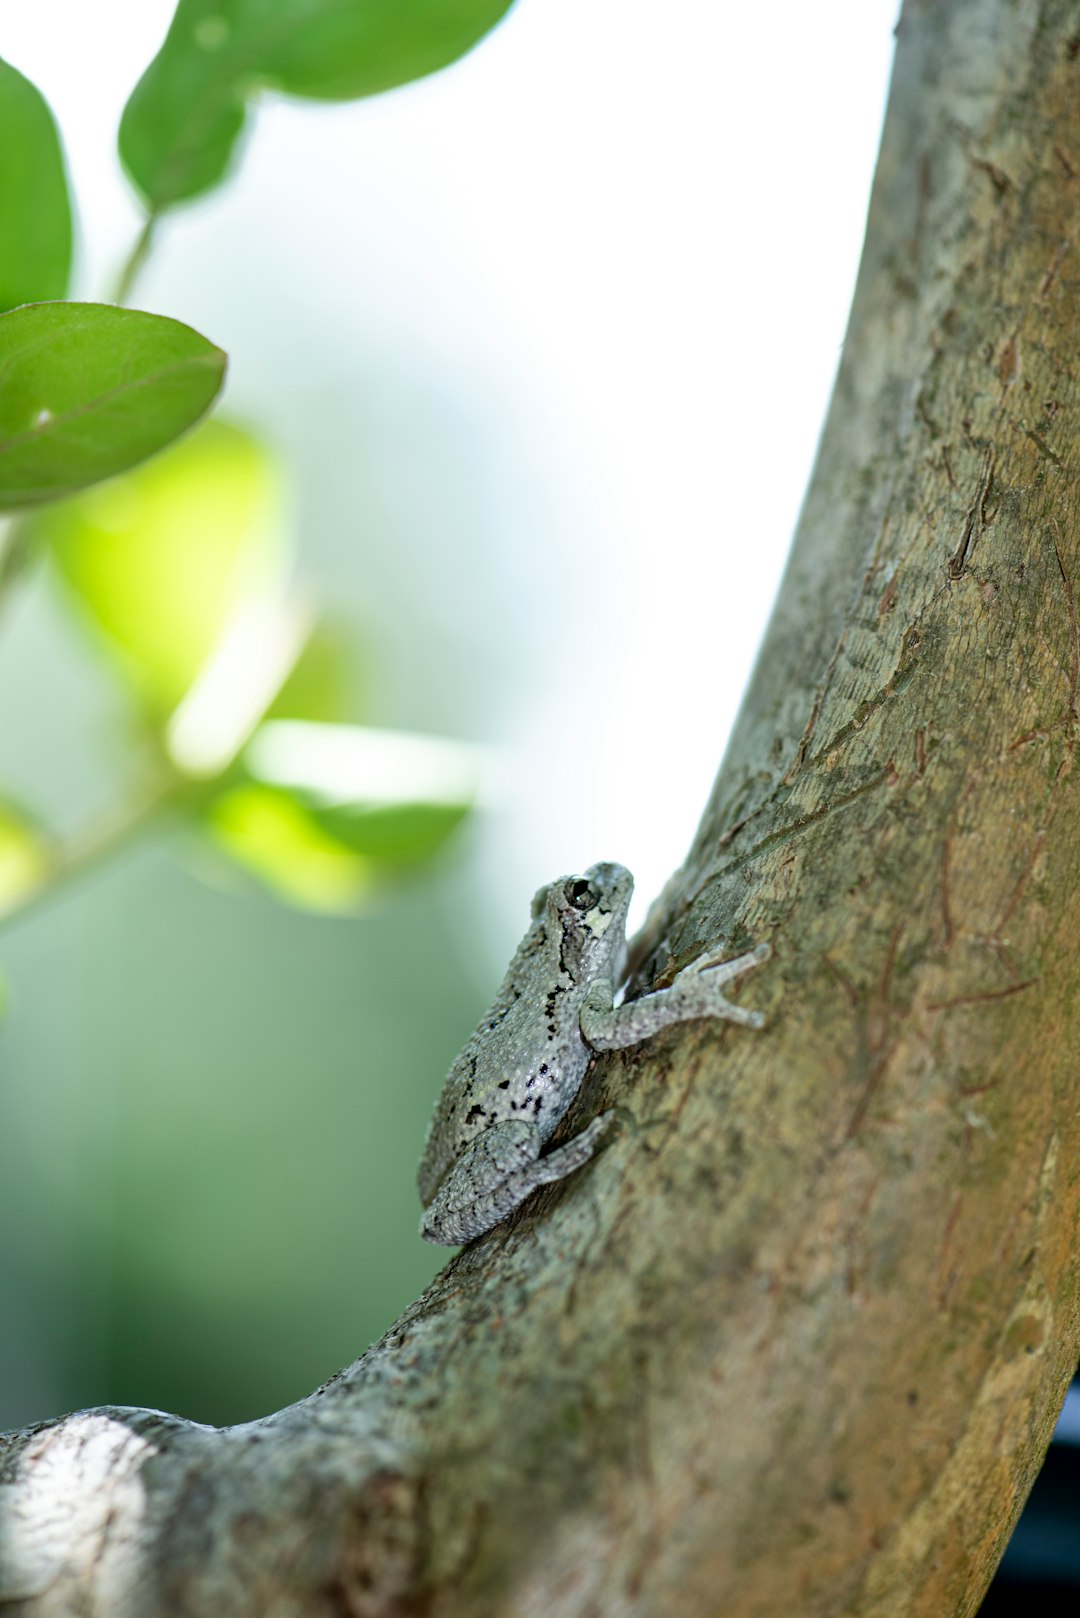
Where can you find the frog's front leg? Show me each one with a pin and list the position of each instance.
(696, 992)
(498, 1171)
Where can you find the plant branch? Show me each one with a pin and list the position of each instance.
(16, 555)
(116, 832)
(136, 260)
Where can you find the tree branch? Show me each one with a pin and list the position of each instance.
(796, 1340)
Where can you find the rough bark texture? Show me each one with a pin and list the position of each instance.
(796, 1341)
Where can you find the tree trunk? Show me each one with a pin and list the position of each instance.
(795, 1342)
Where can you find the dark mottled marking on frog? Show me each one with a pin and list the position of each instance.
(552, 996)
(473, 1114)
(504, 1084)
(549, 1008)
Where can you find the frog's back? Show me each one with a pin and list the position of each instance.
(498, 1073)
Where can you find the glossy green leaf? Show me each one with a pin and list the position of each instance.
(184, 116)
(24, 857)
(88, 390)
(35, 210)
(162, 561)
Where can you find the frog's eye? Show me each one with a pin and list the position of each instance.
(579, 894)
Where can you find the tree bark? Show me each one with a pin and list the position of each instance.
(796, 1341)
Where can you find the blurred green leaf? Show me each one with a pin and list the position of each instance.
(343, 765)
(160, 561)
(326, 812)
(326, 682)
(268, 832)
(391, 837)
(35, 211)
(184, 116)
(88, 390)
(24, 857)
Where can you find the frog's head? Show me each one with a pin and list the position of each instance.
(588, 912)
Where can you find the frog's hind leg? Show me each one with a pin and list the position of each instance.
(564, 1160)
(463, 1205)
(489, 1180)
(554, 1165)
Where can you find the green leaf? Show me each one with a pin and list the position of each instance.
(324, 814)
(160, 562)
(88, 390)
(268, 832)
(327, 681)
(392, 837)
(35, 211)
(24, 857)
(184, 116)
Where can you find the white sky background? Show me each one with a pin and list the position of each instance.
(619, 243)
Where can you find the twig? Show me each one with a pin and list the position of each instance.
(15, 556)
(135, 261)
(117, 830)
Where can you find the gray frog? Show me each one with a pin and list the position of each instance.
(504, 1096)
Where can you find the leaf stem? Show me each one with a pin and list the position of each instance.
(16, 550)
(136, 259)
(114, 833)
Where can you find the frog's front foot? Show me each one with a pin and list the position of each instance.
(696, 992)
(699, 985)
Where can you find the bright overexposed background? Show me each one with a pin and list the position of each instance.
(544, 344)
